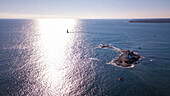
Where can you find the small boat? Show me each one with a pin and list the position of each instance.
(67, 31)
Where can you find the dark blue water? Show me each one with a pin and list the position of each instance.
(38, 57)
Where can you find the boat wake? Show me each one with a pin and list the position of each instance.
(96, 59)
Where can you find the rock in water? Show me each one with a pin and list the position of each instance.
(104, 46)
(121, 79)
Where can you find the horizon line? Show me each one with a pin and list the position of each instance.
(91, 18)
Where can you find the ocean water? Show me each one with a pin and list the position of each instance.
(39, 58)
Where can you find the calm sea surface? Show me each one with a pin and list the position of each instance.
(39, 58)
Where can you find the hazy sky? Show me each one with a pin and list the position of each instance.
(85, 8)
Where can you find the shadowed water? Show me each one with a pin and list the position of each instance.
(39, 57)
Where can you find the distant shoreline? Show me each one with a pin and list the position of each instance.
(149, 21)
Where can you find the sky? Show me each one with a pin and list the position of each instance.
(105, 9)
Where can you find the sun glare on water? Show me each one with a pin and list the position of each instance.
(53, 33)
(54, 41)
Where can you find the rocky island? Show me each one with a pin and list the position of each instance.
(127, 58)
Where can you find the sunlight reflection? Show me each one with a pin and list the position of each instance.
(53, 33)
(54, 42)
